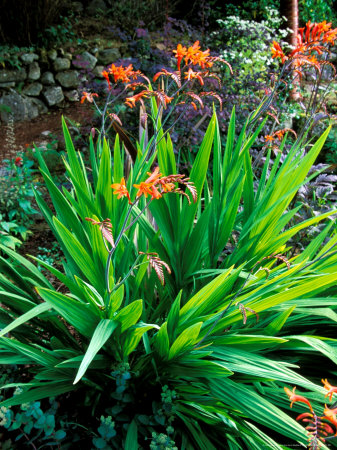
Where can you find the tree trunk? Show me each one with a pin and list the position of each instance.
(289, 9)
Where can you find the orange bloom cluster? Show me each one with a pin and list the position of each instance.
(313, 33)
(156, 185)
(279, 135)
(277, 52)
(193, 55)
(120, 73)
(148, 187)
(161, 96)
(318, 426)
(314, 37)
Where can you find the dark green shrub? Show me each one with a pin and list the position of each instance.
(23, 20)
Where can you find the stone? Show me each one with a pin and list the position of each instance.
(95, 7)
(61, 64)
(12, 75)
(72, 96)
(68, 78)
(98, 71)
(47, 79)
(34, 71)
(20, 107)
(52, 54)
(33, 89)
(53, 95)
(44, 57)
(46, 133)
(28, 58)
(161, 47)
(52, 157)
(41, 107)
(85, 61)
(9, 84)
(108, 56)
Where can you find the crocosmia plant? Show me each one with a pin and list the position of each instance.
(196, 353)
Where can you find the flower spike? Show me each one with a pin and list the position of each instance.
(157, 264)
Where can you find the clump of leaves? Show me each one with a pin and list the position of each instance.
(17, 194)
(30, 423)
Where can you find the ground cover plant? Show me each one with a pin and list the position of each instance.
(196, 352)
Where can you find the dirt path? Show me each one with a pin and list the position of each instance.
(28, 132)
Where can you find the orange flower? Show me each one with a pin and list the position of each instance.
(124, 74)
(121, 189)
(120, 73)
(324, 27)
(131, 101)
(296, 398)
(312, 59)
(155, 193)
(167, 187)
(18, 161)
(269, 138)
(277, 52)
(195, 56)
(147, 187)
(279, 134)
(330, 37)
(88, 96)
(144, 188)
(191, 75)
(179, 54)
(192, 52)
(106, 76)
(330, 415)
(331, 389)
(154, 176)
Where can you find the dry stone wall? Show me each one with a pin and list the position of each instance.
(48, 79)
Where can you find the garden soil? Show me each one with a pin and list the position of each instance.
(29, 132)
